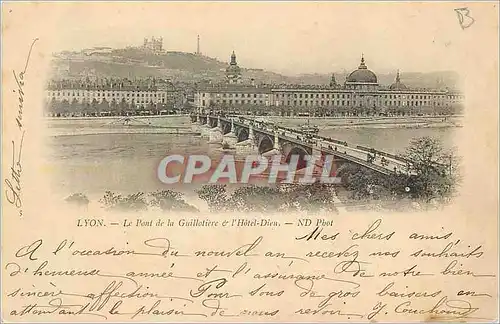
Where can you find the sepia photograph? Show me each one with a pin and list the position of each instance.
(250, 161)
(114, 112)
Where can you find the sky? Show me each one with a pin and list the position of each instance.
(286, 37)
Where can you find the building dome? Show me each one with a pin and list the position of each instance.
(362, 74)
(398, 85)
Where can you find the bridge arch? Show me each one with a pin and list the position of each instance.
(301, 152)
(213, 122)
(265, 144)
(242, 134)
(226, 128)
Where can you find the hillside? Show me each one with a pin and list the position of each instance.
(188, 67)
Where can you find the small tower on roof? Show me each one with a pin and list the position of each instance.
(362, 65)
(333, 81)
(398, 85)
(233, 59)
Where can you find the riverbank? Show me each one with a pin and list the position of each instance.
(115, 117)
(373, 122)
(337, 122)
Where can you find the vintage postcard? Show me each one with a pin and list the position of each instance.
(249, 162)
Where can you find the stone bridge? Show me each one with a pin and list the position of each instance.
(268, 139)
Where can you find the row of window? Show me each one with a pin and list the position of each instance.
(126, 100)
(412, 103)
(240, 95)
(414, 96)
(307, 95)
(357, 103)
(334, 96)
(312, 103)
(105, 94)
(328, 102)
(237, 102)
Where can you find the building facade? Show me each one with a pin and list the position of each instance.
(154, 45)
(361, 94)
(124, 94)
(222, 96)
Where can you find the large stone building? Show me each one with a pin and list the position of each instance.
(132, 94)
(153, 45)
(233, 96)
(360, 94)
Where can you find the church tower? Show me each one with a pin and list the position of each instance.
(233, 71)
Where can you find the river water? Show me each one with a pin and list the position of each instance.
(94, 155)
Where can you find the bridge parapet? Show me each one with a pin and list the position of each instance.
(369, 157)
(358, 148)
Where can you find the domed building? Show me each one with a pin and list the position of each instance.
(362, 78)
(398, 85)
(363, 84)
(233, 71)
(360, 95)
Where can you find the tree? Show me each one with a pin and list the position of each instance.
(214, 195)
(103, 106)
(282, 197)
(168, 200)
(256, 198)
(362, 183)
(432, 178)
(75, 107)
(78, 199)
(157, 108)
(133, 202)
(123, 107)
(436, 169)
(151, 107)
(64, 107)
(310, 197)
(132, 107)
(139, 109)
(446, 110)
(113, 107)
(94, 104)
(342, 110)
(87, 110)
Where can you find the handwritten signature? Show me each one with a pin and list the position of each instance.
(13, 192)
